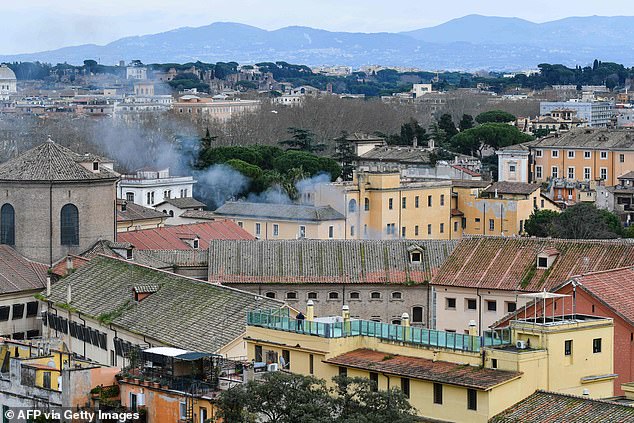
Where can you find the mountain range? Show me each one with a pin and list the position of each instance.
(469, 43)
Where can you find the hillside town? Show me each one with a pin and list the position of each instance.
(274, 242)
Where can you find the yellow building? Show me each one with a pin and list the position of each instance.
(384, 205)
(285, 221)
(500, 208)
(132, 217)
(584, 154)
(447, 376)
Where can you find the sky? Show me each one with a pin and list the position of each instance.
(28, 26)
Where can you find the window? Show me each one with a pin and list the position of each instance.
(333, 295)
(554, 172)
(367, 204)
(555, 153)
(539, 153)
(442, 228)
(429, 229)
(258, 229)
(312, 295)
(451, 303)
(390, 229)
(291, 295)
(437, 393)
(472, 304)
(596, 345)
(586, 173)
(586, 155)
(331, 232)
(355, 296)
(416, 230)
(621, 158)
(302, 231)
(403, 231)
(568, 347)
(442, 199)
(571, 173)
(538, 172)
(352, 206)
(494, 363)
(241, 224)
(477, 220)
(390, 204)
(375, 295)
(491, 224)
(397, 295)
(46, 380)
(472, 399)
(7, 225)
(542, 203)
(150, 198)
(603, 173)
(416, 256)
(416, 201)
(404, 202)
(129, 196)
(4, 313)
(374, 377)
(311, 364)
(604, 155)
(286, 359)
(270, 295)
(351, 230)
(343, 371)
(31, 308)
(417, 314)
(512, 168)
(492, 305)
(405, 387)
(183, 410)
(18, 311)
(511, 306)
(429, 201)
(571, 154)
(196, 244)
(276, 229)
(258, 353)
(69, 225)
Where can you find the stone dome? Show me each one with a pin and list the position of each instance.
(6, 73)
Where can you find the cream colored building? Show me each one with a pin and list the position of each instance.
(8, 82)
(221, 110)
(285, 221)
(446, 376)
(380, 205)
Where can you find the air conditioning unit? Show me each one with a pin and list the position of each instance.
(272, 367)
(521, 345)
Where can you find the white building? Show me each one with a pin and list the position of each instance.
(8, 82)
(598, 114)
(149, 187)
(421, 89)
(136, 72)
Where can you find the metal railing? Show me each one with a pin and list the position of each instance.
(276, 320)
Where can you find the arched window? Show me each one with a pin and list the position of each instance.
(352, 206)
(7, 225)
(69, 225)
(270, 295)
(375, 295)
(333, 295)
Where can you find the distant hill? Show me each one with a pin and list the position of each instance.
(468, 43)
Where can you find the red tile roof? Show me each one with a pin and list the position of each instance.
(424, 369)
(18, 273)
(511, 263)
(550, 407)
(465, 170)
(171, 237)
(613, 288)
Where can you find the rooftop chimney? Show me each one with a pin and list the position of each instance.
(68, 294)
(69, 264)
(48, 286)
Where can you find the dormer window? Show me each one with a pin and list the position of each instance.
(415, 254)
(95, 166)
(546, 258)
(416, 257)
(196, 243)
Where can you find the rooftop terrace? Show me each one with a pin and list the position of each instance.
(336, 327)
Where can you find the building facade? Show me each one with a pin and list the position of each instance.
(598, 114)
(149, 187)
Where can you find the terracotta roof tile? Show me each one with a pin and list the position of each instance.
(325, 261)
(18, 273)
(511, 188)
(511, 263)
(609, 287)
(134, 212)
(167, 238)
(425, 369)
(550, 407)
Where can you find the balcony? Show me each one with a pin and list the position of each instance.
(336, 327)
